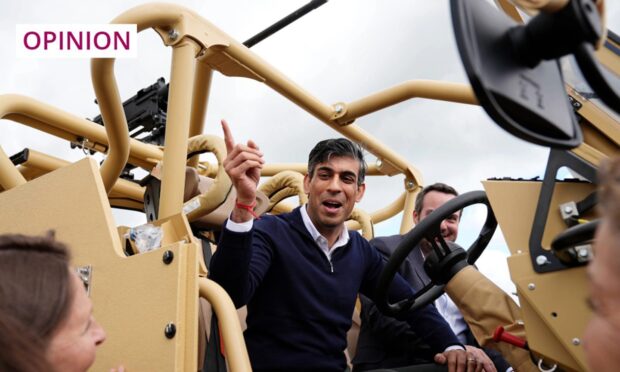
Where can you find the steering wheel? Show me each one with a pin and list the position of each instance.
(429, 229)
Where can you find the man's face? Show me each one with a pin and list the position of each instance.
(602, 334)
(332, 193)
(433, 200)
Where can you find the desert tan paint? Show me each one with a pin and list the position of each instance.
(134, 297)
(562, 293)
(198, 49)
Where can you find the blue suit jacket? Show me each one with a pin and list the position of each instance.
(385, 342)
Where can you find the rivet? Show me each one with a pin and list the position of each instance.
(173, 34)
(568, 209)
(170, 330)
(168, 257)
(338, 108)
(531, 286)
(541, 260)
(576, 341)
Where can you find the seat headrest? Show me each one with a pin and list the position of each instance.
(196, 184)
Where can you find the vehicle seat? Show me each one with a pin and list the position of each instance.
(196, 184)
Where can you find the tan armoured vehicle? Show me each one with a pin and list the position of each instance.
(149, 283)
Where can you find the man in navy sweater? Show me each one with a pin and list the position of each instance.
(299, 273)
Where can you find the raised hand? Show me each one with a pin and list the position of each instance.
(243, 165)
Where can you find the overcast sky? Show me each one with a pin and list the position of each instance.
(343, 51)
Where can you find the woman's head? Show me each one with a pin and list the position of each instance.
(73, 342)
(43, 305)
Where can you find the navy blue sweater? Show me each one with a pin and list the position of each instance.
(300, 305)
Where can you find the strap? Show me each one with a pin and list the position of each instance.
(249, 208)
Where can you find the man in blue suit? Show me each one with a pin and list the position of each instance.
(385, 342)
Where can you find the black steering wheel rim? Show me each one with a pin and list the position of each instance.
(429, 227)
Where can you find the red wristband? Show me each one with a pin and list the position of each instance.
(249, 208)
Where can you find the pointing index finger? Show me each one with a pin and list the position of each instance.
(228, 138)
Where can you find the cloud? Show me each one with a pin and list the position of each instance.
(343, 51)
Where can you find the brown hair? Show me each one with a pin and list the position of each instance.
(35, 296)
(439, 187)
(609, 194)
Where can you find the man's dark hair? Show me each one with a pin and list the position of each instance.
(339, 147)
(439, 187)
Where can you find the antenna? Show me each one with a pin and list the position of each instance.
(283, 22)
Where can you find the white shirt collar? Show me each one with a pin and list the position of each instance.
(342, 240)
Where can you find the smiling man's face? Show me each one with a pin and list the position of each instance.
(449, 227)
(332, 193)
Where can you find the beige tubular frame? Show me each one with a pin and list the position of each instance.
(64, 125)
(198, 49)
(192, 36)
(124, 194)
(180, 106)
(232, 335)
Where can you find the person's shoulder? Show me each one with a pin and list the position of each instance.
(269, 222)
(386, 244)
(358, 241)
(359, 244)
(355, 236)
(270, 219)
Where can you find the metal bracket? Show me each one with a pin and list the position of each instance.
(410, 185)
(84, 144)
(570, 213)
(583, 253)
(340, 110)
(575, 103)
(557, 159)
